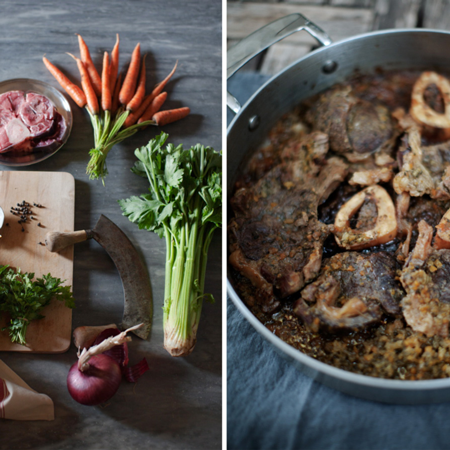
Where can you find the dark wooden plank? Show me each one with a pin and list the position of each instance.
(339, 23)
(353, 3)
(437, 14)
(396, 14)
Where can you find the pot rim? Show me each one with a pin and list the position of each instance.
(321, 367)
(325, 48)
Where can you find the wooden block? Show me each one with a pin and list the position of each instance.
(353, 3)
(280, 55)
(307, 2)
(396, 14)
(244, 18)
(56, 192)
(437, 14)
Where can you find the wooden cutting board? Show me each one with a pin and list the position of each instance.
(55, 191)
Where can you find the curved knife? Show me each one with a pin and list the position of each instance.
(138, 304)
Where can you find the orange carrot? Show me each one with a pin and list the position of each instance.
(106, 90)
(87, 61)
(73, 90)
(129, 83)
(154, 107)
(135, 102)
(115, 99)
(88, 89)
(114, 66)
(172, 115)
(159, 87)
(134, 116)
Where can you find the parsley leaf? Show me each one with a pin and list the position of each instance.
(23, 299)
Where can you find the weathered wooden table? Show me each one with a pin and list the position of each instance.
(178, 403)
(339, 18)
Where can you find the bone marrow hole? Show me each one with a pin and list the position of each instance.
(376, 222)
(432, 96)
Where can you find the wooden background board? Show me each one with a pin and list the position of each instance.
(178, 403)
(55, 191)
(339, 18)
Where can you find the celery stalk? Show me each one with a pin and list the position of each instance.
(184, 205)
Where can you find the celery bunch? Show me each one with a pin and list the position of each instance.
(184, 205)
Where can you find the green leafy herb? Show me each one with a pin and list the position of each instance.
(23, 299)
(185, 207)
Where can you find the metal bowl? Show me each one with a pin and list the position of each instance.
(319, 70)
(62, 106)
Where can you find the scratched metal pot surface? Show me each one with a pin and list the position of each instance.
(319, 70)
(178, 403)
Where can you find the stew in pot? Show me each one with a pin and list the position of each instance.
(340, 231)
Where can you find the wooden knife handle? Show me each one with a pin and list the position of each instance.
(56, 241)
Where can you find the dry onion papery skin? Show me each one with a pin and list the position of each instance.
(96, 376)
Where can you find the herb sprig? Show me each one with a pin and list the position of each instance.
(23, 299)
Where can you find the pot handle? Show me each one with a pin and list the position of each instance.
(261, 39)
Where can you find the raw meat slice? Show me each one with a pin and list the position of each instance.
(37, 113)
(56, 135)
(28, 121)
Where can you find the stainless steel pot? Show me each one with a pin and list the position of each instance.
(332, 63)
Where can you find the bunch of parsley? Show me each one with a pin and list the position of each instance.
(184, 205)
(23, 299)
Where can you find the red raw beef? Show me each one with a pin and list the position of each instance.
(28, 120)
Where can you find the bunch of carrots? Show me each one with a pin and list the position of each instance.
(117, 109)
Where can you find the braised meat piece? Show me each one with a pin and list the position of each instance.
(424, 169)
(352, 292)
(426, 279)
(436, 158)
(371, 176)
(411, 210)
(393, 91)
(276, 238)
(414, 178)
(356, 128)
(289, 130)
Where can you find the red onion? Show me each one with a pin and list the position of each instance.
(97, 374)
(97, 384)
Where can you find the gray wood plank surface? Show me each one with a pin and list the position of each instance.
(245, 17)
(178, 403)
(339, 23)
(437, 14)
(396, 14)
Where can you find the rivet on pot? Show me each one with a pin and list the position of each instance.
(329, 66)
(253, 123)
